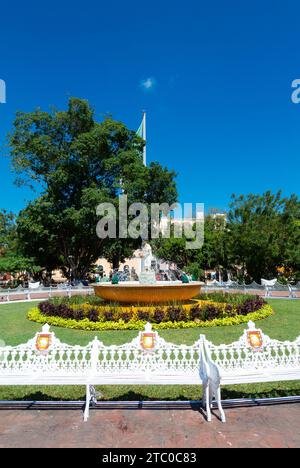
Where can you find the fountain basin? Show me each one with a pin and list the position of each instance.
(135, 293)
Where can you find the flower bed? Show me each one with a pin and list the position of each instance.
(198, 313)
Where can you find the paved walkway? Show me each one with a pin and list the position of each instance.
(269, 426)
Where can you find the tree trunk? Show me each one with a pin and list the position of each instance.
(220, 275)
(116, 262)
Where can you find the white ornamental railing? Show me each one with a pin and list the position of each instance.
(149, 359)
(115, 360)
(254, 358)
(276, 290)
(42, 292)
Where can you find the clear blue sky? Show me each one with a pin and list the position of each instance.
(217, 84)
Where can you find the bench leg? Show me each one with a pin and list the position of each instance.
(94, 395)
(219, 403)
(91, 399)
(87, 404)
(206, 403)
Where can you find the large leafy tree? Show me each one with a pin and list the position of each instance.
(11, 260)
(291, 238)
(80, 163)
(7, 231)
(173, 250)
(213, 253)
(260, 238)
(264, 233)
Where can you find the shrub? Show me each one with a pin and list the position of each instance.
(93, 315)
(144, 315)
(78, 314)
(64, 311)
(158, 316)
(108, 315)
(176, 314)
(212, 312)
(251, 304)
(230, 310)
(48, 309)
(36, 316)
(126, 316)
(79, 300)
(233, 305)
(228, 298)
(196, 313)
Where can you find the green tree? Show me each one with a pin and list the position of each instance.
(80, 163)
(172, 250)
(214, 253)
(7, 231)
(291, 238)
(195, 270)
(11, 261)
(264, 233)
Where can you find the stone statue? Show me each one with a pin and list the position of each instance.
(147, 276)
(146, 257)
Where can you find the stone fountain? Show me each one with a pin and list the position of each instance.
(147, 290)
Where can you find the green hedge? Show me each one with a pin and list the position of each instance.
(193, 311)
(35, 315)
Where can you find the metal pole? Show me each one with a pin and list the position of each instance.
(144, 137)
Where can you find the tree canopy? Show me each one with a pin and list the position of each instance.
(264, 234)
(7, 231)
(259, 239)
(11, 260)
(80, 163)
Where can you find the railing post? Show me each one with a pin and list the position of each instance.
(94, 355)
(90, 391)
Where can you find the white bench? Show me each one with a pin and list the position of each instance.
(44, 360)
(254, 358)
(149, 360)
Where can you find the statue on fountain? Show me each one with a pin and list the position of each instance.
(147, 275)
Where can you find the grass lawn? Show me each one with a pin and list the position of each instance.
(16, 329)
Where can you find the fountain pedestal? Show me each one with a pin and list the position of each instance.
(159, 293)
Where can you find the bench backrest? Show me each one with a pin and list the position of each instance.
(97, 358)
(254, 350)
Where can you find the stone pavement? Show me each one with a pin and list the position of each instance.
(268, 426)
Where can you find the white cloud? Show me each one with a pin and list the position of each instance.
(148, 83)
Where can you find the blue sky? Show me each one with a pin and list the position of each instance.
(217, 84)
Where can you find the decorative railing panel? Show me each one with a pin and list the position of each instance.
(99, 359)
(242, 356)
